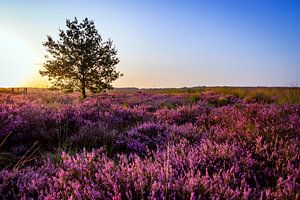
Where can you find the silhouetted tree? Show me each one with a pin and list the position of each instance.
(80, 60)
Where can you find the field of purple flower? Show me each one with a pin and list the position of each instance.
(148, 146)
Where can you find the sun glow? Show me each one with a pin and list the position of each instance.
(17, 60)
(36, 81)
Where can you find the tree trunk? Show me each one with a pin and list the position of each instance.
(83, 87)
(83, 92)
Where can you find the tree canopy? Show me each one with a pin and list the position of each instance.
(80, 60)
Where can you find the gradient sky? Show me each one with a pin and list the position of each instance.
(163, 43)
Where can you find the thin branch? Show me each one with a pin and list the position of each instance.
(5, 138)
(25, 155)
(28, 158)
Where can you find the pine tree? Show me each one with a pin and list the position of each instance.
(80, 60)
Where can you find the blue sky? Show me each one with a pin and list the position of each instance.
(164, 43)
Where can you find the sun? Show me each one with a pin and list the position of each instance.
(16, 59)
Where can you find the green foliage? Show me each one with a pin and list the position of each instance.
(80, 60)
(192, 99)
(260, 97)
(168, 105)
(280, 95)
(221, 101)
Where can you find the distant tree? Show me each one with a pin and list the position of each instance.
(80, 60)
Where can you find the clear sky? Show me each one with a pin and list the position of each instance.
(164, 43)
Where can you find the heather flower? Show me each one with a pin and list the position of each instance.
(146, 146)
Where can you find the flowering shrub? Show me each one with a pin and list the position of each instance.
(122, 118)
(145, 136)
(147, 146)
(181, 115)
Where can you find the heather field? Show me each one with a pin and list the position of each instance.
(139, 145)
